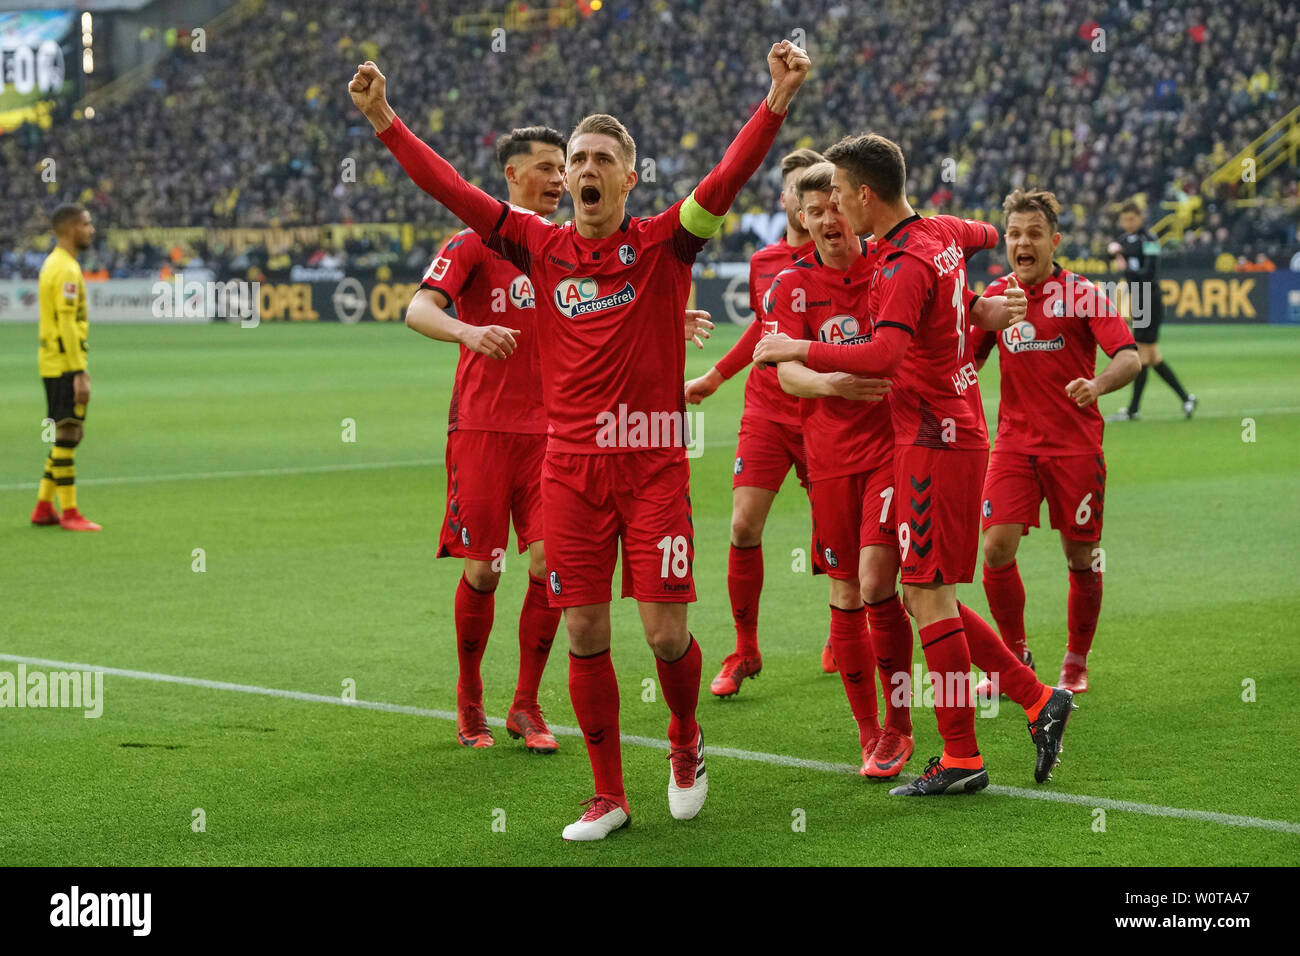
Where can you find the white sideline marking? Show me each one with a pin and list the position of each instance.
(990, 404)
(265, 472)
(779, 760)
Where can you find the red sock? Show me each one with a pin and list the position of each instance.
(891, 639)
(1085, 608)
(1006, 594)
(680, 681)
(947, 658)
(538, 622)
(744, 584)
(593, 689)
(991, 655)
(851, 645)
(474, 611)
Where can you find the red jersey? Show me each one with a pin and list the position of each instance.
(813, 301)
(491, 395)
(613, 338)
(763, 393)
(918, 310)
(1068, 319)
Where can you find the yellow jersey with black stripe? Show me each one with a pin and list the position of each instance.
(64, 321)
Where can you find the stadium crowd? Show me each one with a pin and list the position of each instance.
(1101, 101)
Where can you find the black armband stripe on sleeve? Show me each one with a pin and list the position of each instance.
(428, 284)
(895, 325)
(1130, 345)
(970, 306)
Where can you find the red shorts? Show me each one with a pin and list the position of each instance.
(591, 501)
(765, 451)
(492, 477)
(937, 507)
(1074, 486)
(850, 513)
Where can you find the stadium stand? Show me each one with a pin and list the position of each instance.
(242, 136)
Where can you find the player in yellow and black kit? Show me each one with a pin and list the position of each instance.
(62, 361)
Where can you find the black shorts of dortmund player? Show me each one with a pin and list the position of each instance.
(1148, 314)
(1147, 329)
(60, 399)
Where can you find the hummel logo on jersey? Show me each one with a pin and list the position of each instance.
(555, 583)
(577, 296)
(626, 254)
(888, 271)
(1021, 338)
(562, 263)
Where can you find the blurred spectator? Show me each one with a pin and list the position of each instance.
(1099, 100)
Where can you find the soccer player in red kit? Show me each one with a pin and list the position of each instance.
(613, 351)
(849, 440)
(1049, 429)
(920, 312)
(770, 441)
(496, 437)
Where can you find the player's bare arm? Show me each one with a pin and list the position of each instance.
(433, 174)
(369, 94)
(698, 389)
(998, 312)
(1121, 370)
(779, 347)
(789, 65)
(427, 315)
(797, 379)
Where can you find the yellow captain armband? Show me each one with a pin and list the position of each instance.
(698, 221)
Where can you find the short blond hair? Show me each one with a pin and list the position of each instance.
(800, 159)
(815, 179)
(606, 125)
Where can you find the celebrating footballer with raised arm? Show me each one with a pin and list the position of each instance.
(920, 312)
(613, 352)
(1049, 429)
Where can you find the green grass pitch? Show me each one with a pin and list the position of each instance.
(320, 570)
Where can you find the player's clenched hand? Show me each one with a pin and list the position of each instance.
(1017, 302)
(368, 89)
(998, 312)
(775, 348)
(697, 326)
(494, 341)
(698, 389)
(789, 65)
(858, 389)
(1083, 391)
